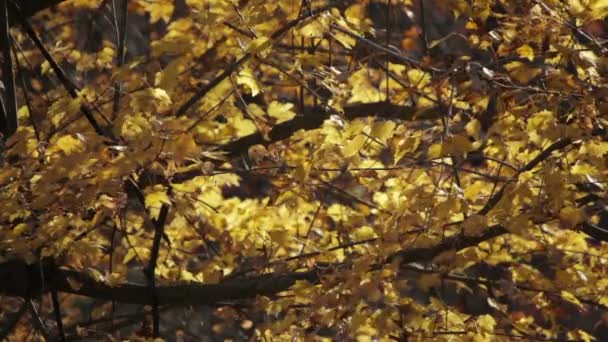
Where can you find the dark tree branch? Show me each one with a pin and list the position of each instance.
(8, 123)
(242, 288)
(230, 290)
(595, 231)
(452, 243)
(312, 118)
(159, 231)
(57, 312)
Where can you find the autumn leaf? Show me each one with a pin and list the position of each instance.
(245, 77)
(281, 111)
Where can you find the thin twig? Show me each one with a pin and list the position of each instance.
(121, 37)
(556, 146)
(26, 97)
(8, 122)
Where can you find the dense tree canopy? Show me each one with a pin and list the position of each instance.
(304, 169)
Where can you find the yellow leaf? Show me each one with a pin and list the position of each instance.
(541, 120)
(347, 41)
(45, 67)
(435, 151)
(526, 51)
(259, 45)
(158, 10)
(246, 78)
(315, 28)
(162, 96)
(129, 256)
(243, 126)
(486, 323)
(363, 233)
(383, 130)
(571, 216)
(354, 146)
(281, 111)
(168, 78)
(584, 169)
(569, 297)
(418, 77)
(134, 127)
(155, 197)
(457, 145)
(150, 99)
(594, 148)
(472, 191)
(473, 128)
(68, 145)
(404, 146)
(363, 90)
(522, 73)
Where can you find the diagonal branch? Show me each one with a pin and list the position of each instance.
(63, 78)
(543, 155)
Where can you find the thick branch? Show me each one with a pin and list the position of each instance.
(184, 294)
(313, 118)
(208, 294)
